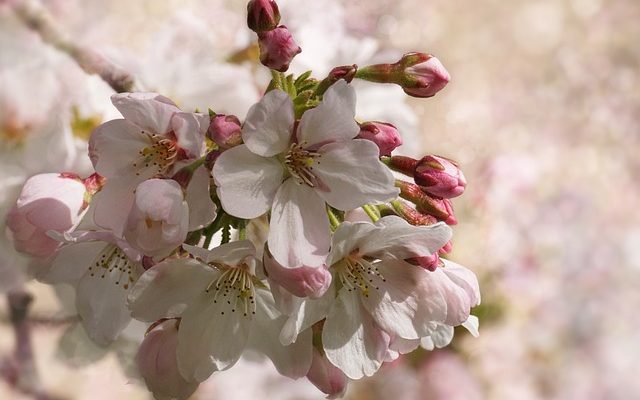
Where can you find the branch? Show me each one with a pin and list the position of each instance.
(37, 18)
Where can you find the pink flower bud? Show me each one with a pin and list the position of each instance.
(404, 165)
(302, 281)
(159, 218)
(47, 202)
(439, 177)
(327, 377)
(430, 262)
(225, 130)
(346, 72)
(262, 15)
(424, 75)
(158, 365)
(277, 48)
(384, 135)
(442, 209)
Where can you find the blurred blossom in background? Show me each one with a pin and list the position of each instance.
(542, 114)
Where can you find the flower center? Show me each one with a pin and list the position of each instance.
(160, 155)
(299, 163)
(113, 264)
(234, 291)
(357, 273)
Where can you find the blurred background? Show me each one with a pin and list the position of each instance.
(542, 113)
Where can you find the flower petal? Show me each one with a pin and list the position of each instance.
(352, 341)
(303, 313)
(352, 175)
(268, 127)
(403, 305)
(190, 129)
(247, 183)
(333, 119)
(442, 335)
(348, 237)
(165, 289)
(229, 253)
(72, 262)
(114, 147)
(202, 210)
(465, 278)
(472, 324)
(210, 339)
(113, 203)
(403, 240)
(101, 301)
(293, 360)
(299, 232)
(150, 111)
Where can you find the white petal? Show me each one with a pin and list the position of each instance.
(403, 240)
(293, 360)
(408, 302)
(101, 301)
(113, 203)
(299, 232)
(301, 281)
(268, 127)
(114, 146)
(189, 129)
(442, 336)
(352, 175)
(472, 324)
(351, 339)
(303, 313)
(202, 210)
(72, 262)
(348, 237)
(465, 278)
(229, 253)
(333, 119)
(247, 183)
(210, 338)
(149, 111)
(165, 289)
(404, 346)
(427, 343)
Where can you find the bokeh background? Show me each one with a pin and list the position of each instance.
(543, 115)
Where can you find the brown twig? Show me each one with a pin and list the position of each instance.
(36, 17)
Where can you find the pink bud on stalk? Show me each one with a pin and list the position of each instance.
(419, 74)
(277, 48)
(225, 130)
(424, 75)
(439, 177)
(426, 204)
(327, 377)
(346, 72)
(262, 15)
(157, 362)
(384, 135)
(47, 202)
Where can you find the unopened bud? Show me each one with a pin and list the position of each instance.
(439, 177)
(411, 215)
(262, 15)
(94, 183)
(430, 262)
(384, 135)
(419, 74)
(158, 364)
(346, 72)
(225, 130)
(210, 158)
(446, 249)
(277, 48)
(327, 377)
(424, 75)
(426, 204)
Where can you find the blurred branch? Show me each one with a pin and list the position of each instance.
(19, 369)
(36, 17)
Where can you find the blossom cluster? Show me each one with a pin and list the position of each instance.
(288, 233)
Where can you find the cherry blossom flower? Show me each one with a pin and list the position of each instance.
(153, 139)
(374, 301)
(288, 171)
(224, 310)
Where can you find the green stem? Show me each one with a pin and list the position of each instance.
(371, 212)
(242, 230)
(333, 219)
